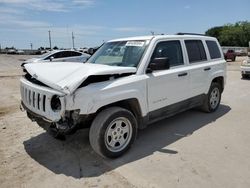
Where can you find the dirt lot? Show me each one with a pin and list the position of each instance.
(192, 149)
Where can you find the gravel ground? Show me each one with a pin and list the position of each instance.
(192, 149)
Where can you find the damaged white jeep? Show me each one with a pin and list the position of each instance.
(126, 85)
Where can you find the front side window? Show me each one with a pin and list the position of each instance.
(195, 50)
(58, 55)
(75, 53)
(120, 53)
(213, 49)
(170, 49)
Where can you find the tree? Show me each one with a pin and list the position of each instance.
(215, 31)
(237, 34)
(55, 48)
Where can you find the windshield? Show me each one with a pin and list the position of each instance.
(120, 53)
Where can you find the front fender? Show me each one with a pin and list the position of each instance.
(94, 96)
(105, 99)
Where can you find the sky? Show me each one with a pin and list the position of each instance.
(23, 22)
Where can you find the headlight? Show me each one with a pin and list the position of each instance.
(56, 103)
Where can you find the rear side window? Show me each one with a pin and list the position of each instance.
(195, 50)
(170, 49)
(213, 49)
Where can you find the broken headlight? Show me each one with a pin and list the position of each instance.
(56, 103)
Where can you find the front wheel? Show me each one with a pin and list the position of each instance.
(213, 98)
(112, 132)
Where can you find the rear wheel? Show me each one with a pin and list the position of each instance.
(213, 98)
(112, 132)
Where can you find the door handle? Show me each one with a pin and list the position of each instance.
(207, 69)
(182, 74)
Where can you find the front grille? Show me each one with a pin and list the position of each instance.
(33, 99)
(37, 99)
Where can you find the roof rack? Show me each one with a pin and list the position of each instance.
(190, 34)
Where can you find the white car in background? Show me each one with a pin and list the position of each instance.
(245, 67)
(60, 56)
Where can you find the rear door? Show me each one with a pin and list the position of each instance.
(198, 66)
(166, 87)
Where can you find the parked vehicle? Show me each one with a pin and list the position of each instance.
(60, 56)
(241, 53)
(245, 67)
(126, 85)
(20, 52)
(230, 54)
(11, 51)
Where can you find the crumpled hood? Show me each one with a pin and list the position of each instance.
(67, 77)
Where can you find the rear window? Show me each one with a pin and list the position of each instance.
(213, 49)
(195, 50)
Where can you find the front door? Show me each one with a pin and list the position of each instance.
(168, 87)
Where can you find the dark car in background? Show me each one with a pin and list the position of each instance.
(230, 54)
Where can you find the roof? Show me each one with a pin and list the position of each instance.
(160, 37)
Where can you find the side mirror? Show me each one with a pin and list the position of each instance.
(161, 63)
(51, 58)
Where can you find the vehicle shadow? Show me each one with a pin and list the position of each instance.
(75, 157)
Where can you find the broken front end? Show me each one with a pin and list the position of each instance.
(47, 108)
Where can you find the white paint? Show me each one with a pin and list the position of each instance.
(153, 91)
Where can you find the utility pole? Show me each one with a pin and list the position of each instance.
(49, 40)
(31, 46)
(73, 40)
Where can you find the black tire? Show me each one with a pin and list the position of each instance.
(233, 58)
(98, 135)
(207, 105)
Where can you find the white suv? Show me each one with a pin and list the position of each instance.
(126, 85)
